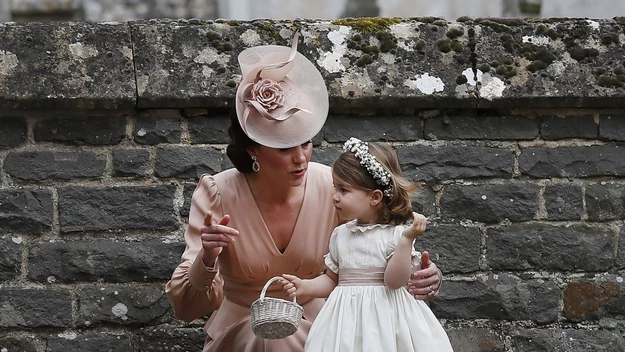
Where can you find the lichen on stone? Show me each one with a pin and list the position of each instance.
(368, 24)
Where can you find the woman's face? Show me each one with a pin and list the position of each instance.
(284, 165)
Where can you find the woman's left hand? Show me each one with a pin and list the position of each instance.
(425, 282)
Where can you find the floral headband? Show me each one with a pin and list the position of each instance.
(369, 162)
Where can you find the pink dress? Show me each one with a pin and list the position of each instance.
(244, 267)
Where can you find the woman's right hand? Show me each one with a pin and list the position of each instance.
(215, 236)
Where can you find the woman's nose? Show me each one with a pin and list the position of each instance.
(298, 155)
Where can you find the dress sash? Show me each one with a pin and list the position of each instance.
(361, 277)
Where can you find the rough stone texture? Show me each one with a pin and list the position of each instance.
(10, 257)
(557, 127)
(612, 127)
(209, 129)
(475, 340)
(42, 165)
(587, 300)
(573, 161)
(539, 247)
(620, 259)
(35, 308)
(187, 162)
(564, 202)
(453, 248)
(13, 132)
(17, 344)
(490, 203)
(427, 163)
(25, 211)
(481, 127)
(605, 201)
(93, 342)
(425, 201)
(92, 130)
(122, 305)
(569, 340)
(131, 162)
(505, 297)
(69, 64)
(189, 187)
(169, 339)
(157, 126)
(389, 128)
(116, 208)
(91, 261)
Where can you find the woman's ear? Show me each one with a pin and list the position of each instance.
(251, 151)
(375, 197)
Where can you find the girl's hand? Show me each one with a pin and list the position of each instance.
(292, 285)
(425, 282)
(215, 236)
(417, 228)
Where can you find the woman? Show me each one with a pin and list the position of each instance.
(271, 215)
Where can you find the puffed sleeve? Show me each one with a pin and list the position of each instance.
(392, 244)
(194, 289)
(331, 258)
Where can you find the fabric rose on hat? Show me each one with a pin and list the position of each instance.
(268, 93)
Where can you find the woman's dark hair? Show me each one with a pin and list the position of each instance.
(239, 143)
(393, 211)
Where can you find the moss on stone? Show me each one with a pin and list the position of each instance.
(455, 33)
(536, 65)
(212, 35)
(364, 60)
(507, 71)
(484, 67)
(464, 19)
(357, 37)
(462, 79)
(367, 24)
(444, 45)
(231, 83)
(387, 41)
(609, 81)
(420, 44)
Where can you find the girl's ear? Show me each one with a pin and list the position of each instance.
(375, 197)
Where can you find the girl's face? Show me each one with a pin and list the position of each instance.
(354, 203)
(286, 166)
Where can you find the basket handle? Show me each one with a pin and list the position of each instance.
(275, 278)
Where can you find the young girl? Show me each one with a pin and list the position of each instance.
(370, 261)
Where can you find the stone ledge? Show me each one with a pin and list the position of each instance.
(414, 63)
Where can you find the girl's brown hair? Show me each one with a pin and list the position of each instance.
(395, 211)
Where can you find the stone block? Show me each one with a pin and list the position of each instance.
(558, 127)
(209, 129)
(131, 162)
(481, 127)
(187, 162)
(591, 300)
(454, 248)
(93, 130)
(90, 341)
(170, 339)
(603, 160)
(605, 201)
(26, 211)
(569, 340)
(10, 257)
(564, 202)
(13, 132)
(35, 308)
(158, 126)
(381, 128)
(44, 165)
(612, 127)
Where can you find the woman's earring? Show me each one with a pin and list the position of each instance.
(255, 164)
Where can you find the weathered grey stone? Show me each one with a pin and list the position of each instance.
(187, 162)
(122, 305)
(158, 126)
(17, 344)
(557, 127)
(620, 257)
(82, 261)
(421, 162)
(170, 339)
(547, 247)
(13, 132)
(453, 248)
(425, 201)
(68, 64)
(92, 342)
(34, 308)
(209, 129)
(131, 162)
(564, 202)
(189, 188)
(490, 203)
(587, 300)
(372, 128)
(612, 127)
(504, 297)
(549, 63)
(10, 258)
(569, 340)
(25, 211)
(605, 201)
(475, 340)
(481, 127)
(572, 161)
(325, 156)
(42, 165)
(116, 208)
(93, 130)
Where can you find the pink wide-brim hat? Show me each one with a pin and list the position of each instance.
(282, 99)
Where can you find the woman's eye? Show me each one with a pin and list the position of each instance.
(305, 144)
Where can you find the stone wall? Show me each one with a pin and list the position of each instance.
(516, 129)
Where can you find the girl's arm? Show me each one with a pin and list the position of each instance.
(319, 287)
(399, 266)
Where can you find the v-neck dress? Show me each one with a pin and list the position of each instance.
(362, 313)
(243, 268)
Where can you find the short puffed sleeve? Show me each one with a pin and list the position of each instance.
(331, 258)
(392, 244)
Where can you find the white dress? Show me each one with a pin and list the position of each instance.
(361, 313)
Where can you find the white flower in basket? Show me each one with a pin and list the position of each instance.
(275, 318)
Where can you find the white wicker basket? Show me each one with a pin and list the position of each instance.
(275, 318)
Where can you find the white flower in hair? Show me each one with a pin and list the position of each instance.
(369, 162)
